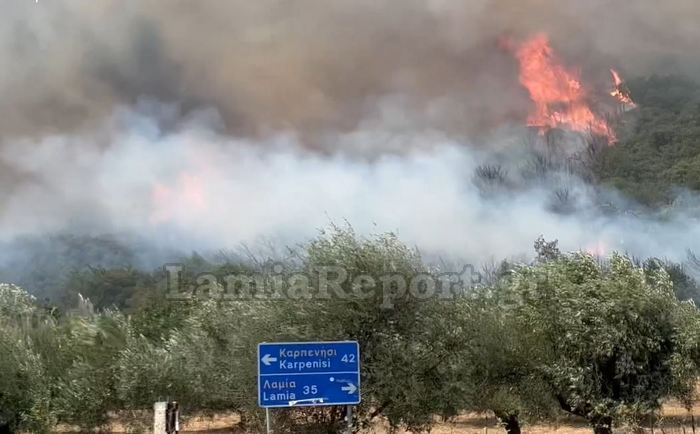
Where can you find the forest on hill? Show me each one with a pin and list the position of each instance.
(657, 160)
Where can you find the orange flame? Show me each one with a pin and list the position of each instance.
(620, 92)
(187, 195)
(560, 98)
(599, 248)
(616, 78)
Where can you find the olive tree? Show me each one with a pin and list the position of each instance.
(613, 341)
(24, 391)
(376, 290)
(498, 364)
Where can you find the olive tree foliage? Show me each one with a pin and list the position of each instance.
(208, 359)
(89, 343)
(15, 304)
(614, 341)
(92, 364)
(207, 363)
(24, 397)
(499, 365)
(407, 332)
(57, 369)
(684, 285)
(607, 341)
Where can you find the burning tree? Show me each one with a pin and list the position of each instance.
(559, 96)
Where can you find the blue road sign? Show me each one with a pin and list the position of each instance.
(297, 374)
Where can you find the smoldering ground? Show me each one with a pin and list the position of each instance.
(202, 125)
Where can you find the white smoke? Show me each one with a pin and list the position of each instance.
(189, 187)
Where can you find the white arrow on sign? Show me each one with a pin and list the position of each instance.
(267, 359)
(350, 388)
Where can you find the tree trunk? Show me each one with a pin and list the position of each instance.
(602, 425)
(509, 421)
(602, 429)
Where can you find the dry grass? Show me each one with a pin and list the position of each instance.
(675, 420)
(486, 424)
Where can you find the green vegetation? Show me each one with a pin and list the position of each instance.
(608, 336)
(608, 342)
(659, 150)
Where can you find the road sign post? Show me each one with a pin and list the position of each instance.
(348, 418)
(296, 374)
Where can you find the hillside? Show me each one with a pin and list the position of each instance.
(659, 152)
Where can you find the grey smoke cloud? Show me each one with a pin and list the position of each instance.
(192, 188)
(280, 117)
(313, 66)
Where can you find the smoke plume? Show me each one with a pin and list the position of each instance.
(206, 124)
(313, 66)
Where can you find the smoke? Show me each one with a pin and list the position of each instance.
(190, 187)
(313, 66)
(206, 124)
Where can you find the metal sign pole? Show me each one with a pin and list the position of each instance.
(267, 421)
(349, 418)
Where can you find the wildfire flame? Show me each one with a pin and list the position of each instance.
(599, 248)
(620, 92)
(561, 101)
(187, 195)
